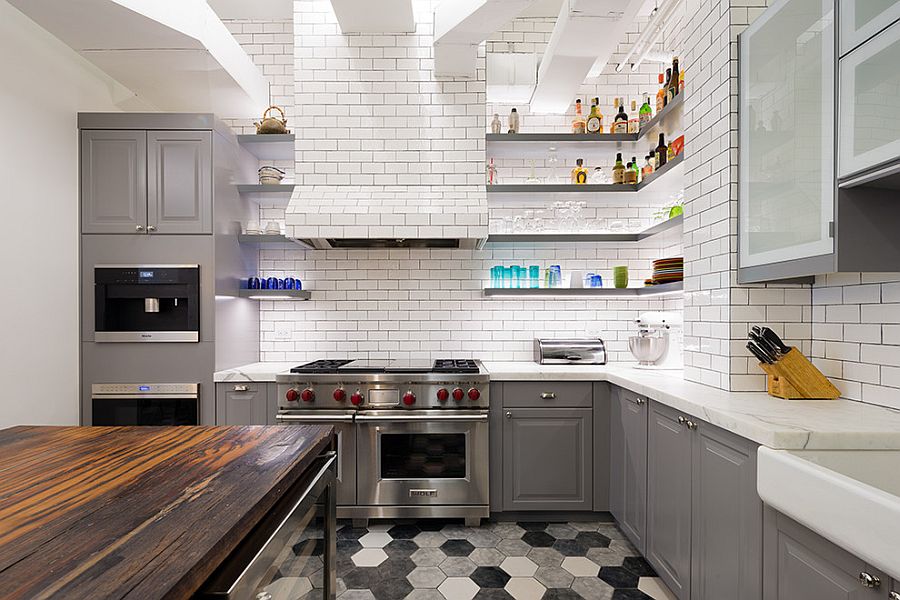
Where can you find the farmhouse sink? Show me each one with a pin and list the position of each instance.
(851, 497)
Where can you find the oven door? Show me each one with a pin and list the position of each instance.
(345, 432)
(427, 457)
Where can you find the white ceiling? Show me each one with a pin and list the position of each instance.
(253, 9)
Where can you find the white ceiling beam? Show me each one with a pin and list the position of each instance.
(374, 16)
(460, 25)
(586, 31)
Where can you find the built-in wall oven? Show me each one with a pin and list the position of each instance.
(147, 303)
(145, 404)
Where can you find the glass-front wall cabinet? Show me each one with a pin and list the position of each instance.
(862, 19)
(786, 134)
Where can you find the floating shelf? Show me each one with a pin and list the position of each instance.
(528, 238)
(271, 240)
(650, 290)
(275, 294)
(278, 194)
(276, 146)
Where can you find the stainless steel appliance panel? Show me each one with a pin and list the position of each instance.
(588, 351)
(137, 404)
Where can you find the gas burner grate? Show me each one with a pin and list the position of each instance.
(322, 366)
(450, 365)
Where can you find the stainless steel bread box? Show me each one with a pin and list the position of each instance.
(587, 351)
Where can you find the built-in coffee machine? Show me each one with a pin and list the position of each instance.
(147, 303)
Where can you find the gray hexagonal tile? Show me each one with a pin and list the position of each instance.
(561, 531)
(554, 577)
(482, 538)
(457, 566)
(457, 532)
(358, 595)
(487, 557)
(513, 547)
(428, 557)
(426, 577)
(430, 539)
(425, 595)
(506, 529)
(546, 557)
(607, 557)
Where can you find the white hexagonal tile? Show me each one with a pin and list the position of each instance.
(375, 539)
(287, 588)
(655, 588)
(459, 588)
(369, 557)
(580, 566)
(525, 588)
(519, 566)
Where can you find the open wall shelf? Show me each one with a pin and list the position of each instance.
(268, 240)
(278, 194)
(636, 292)
(276, 146)
(275, 294)
(673, 225)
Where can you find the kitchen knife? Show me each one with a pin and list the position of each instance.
(759, 353)
(774, 340)
(765, 345)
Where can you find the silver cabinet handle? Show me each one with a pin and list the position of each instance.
(241, 388)
(508, 414)
(681, 420)
(869, 581)
(690, 424)
(548, 396)
(138, 227)
(151, 228)
(894, 595)
(286, 418)
(639, 401)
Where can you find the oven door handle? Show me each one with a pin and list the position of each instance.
(421, 418)
(314, 418)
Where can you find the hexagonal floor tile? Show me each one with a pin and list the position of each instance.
(457, 547)
(525, 588)
(455, 531)
(514, 547)
(288, 588)
(429, 539)
(561, 531)
(457, 566)
(426, 577)
(358, 595)
(593, 588)
(458, 588)
(561, 594)
(533, 525)
(506, 529)
(428, 557)
(375, 539)
(493, 594)
(425, 595)
(655, 588)
(618, 577)
(519, 566)
(580, 566)
(545, 557)
(369, 557)
(639, 566)
(482, 538)
(487, 557)
(348, 532)
(538, 539)
(391, 589)
(592, 539)
(401, 548)
(404, 532)
(554, 577)
(570, 547)
(490, 577)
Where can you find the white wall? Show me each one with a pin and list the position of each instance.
(44, 85)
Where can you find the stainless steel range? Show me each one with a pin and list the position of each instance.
(412, 436)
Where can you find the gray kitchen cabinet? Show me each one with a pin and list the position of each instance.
(801, 565)
(545, 394)
(495, 427)
(113, 181)
(669, 453)
(547, 458)
(628, 464)
(179, 182)
(242, 403)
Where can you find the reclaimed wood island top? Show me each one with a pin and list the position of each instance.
(137, 512)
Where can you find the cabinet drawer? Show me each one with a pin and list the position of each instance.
(632, 397)
(539, 394)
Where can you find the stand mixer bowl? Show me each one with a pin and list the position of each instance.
(647, 349)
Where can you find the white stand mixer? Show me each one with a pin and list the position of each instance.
(659, 343)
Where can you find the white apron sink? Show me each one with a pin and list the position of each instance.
(851, 497)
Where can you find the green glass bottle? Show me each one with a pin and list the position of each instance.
(645, 113)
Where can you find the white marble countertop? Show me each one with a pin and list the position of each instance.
(772, 422)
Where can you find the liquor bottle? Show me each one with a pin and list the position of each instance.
(637, 169)
(646, 113)
(495, 124)
(634, 124)
(652, 156)
(681, 80)
(621, 122)
(579, 173)
(647, 169)
(660, 95)
(666, 87)
(513, 121)
(578, 123)
(630, 174)
(619, 170)
(662, 151)
(595, 119)
(672, 89)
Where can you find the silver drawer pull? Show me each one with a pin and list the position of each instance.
(241, 388)
(548, 396)
(690, 424)
(894, 595)
(681, 420)
(869, 581)
(639, 401)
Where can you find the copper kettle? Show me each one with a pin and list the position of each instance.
(271, 124)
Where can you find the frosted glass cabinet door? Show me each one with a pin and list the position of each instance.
(869, 103)
(786, 127)
(862, 19)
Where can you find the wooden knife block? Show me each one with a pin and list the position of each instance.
(794, 377)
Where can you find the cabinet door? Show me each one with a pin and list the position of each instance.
(786, 125)
(869, 134)
(241, 404)
(113, 181)
(726, 522)
(861, 19)
(669, 499)
(800, 565)
(179, 181)
(628, 469)
(547, 459)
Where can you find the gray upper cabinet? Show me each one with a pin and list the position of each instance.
(242, 403)
(628, 464)
(800, 565)
(547, 458)
(113, 181)
(669, 498)
(179, 181)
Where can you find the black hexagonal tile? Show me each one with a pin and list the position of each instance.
(639, 566)
(493, 594)
(391, 589)
(490, 577)
(396, 567)
(361, 578)
(404, 532)
(561, 594)
(348, 532)
(592, 539)
(457, 548)
(630, 594)
(533, 525)
(570, 547)
(538, 539)
(618, 577)
(401, 548)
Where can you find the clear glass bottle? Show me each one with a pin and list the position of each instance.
(496, 126)
(552, 165)
(513, 121)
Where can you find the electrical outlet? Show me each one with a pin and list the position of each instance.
(283, 331)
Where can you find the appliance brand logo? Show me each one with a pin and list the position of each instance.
(147, 335)
(423, 493)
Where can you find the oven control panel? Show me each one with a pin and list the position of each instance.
(98, 389)
(408, 396)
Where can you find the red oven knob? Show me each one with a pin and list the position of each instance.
(474, 394)
(340, 395)
(457, 394)
(307, 395)
(292, 395)
(443, 394)
(356, 398)
(409, 398)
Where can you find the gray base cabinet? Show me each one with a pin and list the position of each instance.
(628, 464)
(245, 403)
(801, 565)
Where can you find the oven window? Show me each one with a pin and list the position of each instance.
(423, 455)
